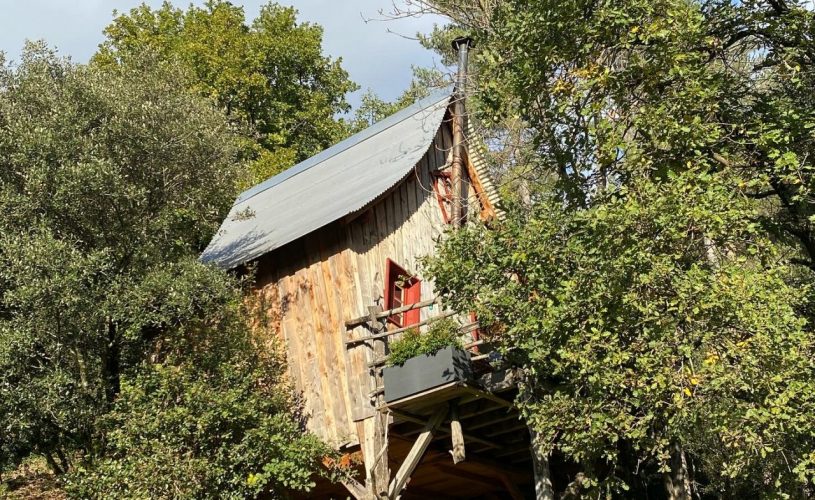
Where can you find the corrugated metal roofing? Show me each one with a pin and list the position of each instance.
(328, 186)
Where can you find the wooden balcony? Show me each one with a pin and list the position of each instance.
(462, 439)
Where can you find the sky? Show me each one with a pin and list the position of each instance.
(374, 57)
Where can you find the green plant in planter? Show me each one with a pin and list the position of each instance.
(440, 334)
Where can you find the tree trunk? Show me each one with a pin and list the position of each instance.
(63, 460)
(524, 193)
(375, 455)
(677, 480)
(111, 364)
(55, 468)
(543, 474)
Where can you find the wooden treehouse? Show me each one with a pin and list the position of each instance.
(336, 243)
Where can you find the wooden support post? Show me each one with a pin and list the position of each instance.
(456, 433)
(375, 428)
(355, 489)
(375, 449)
(416, 452)
(416, 420)
(543, 475)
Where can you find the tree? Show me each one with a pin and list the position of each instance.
(113, 179)
(373, 108)
(105, 175)
(269, 76)
(607, 88)
(209, 416)
(654, 329)
(683, 106)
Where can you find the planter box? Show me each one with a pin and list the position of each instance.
(426, 372)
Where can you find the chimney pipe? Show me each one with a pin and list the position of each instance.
(460, 188)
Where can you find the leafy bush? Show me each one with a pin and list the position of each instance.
(211, 417)
(635, 333)
(177, 434)
(440, 334)
(109, 179)
(126, 363)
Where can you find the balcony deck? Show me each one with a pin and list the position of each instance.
(461, 439)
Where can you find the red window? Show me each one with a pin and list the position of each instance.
(401, 289)
(443, 185)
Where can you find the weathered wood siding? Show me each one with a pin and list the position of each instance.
(311, 286)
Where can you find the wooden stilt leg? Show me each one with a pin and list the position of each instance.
(375, 454)
(375, 444)
(355, 489)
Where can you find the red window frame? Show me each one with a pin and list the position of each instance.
(401, 289)
(443, 186)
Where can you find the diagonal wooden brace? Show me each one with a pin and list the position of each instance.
(355, 488)
(416, 452)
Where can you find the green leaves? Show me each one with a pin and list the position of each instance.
(217, 428)
(123, 359)
(439, 335)
(269, 76)
(655, 282)
(638, 322)
(106, 175)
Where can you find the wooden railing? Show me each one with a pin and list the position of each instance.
(379, 327)
(351, 323)
(373, 344)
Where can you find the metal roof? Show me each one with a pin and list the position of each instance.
(328, 186)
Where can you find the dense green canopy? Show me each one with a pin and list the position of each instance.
(656, 284)
(269, 76)
(123, 360)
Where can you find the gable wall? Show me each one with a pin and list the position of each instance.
(307, 289)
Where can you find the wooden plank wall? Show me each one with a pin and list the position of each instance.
(311, 286)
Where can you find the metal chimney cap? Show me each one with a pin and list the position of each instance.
(463, 40)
